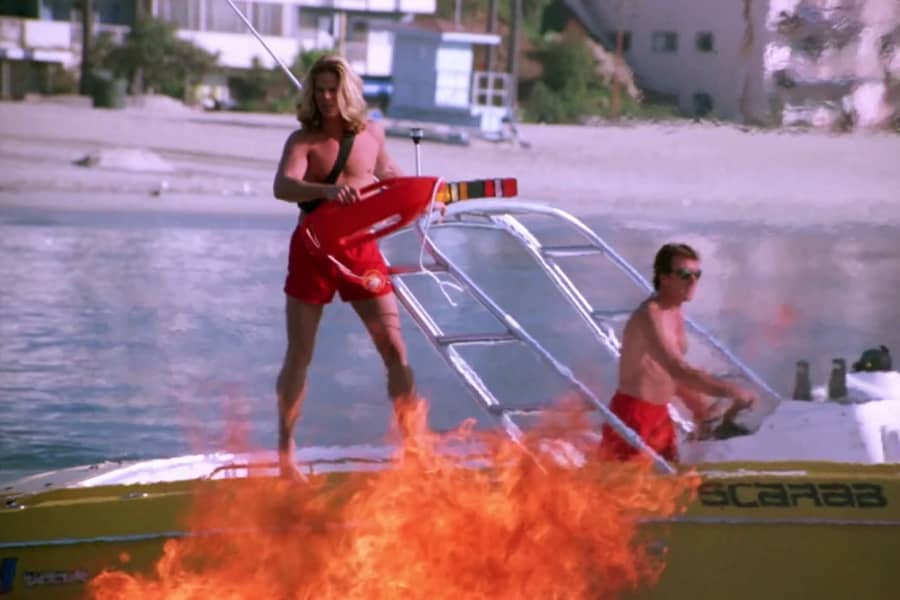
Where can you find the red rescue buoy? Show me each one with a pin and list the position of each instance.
(384, 207)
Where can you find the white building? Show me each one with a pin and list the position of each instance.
(50, 32)
(40, 38)
(291, 26)
(834, 63)
(435, 77)
(730, 58)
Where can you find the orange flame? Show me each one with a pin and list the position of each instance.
(784, 320)
(771, 333)
(431, 526)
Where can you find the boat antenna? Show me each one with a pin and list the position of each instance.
(281, 64)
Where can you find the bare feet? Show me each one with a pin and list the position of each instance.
(287, 466)
(290, 471)
(410, 416)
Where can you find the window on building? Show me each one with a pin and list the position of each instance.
(58, 10)
(614, 41)
(114, 15)
(356, 46)
(453, 77)
(490, 88)
(221, 17)
(312, 21)
(703, 104)
(185, 14)
(705, 41)
(359, 31)
(113, 12)
(665, 41)
(266, 18)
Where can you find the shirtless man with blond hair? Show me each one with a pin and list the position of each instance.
(332, 112)
(653, 369)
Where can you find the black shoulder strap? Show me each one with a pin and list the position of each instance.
(339, 164)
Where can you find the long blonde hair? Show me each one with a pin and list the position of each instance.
(350, 100)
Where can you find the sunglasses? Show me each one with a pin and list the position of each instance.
(687, 274)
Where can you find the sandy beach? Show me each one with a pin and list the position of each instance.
(223, 162)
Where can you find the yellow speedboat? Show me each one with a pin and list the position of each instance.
(824, 524)
(765, 530)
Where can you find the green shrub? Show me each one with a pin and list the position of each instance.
(166, 63)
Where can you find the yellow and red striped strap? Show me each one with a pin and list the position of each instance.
(456, 191)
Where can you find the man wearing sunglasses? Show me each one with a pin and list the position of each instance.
(652, 368)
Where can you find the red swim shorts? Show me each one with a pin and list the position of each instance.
(650, 421)
(314, 280)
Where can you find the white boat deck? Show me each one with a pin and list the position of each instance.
(864, 428)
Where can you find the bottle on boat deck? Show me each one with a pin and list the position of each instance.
(837, 383)
(802, 384)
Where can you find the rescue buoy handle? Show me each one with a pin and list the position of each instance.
(392, 223)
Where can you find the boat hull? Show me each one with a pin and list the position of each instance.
(811, 530)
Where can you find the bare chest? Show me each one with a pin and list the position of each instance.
(675, 331)
(671, 329)
(360, 165)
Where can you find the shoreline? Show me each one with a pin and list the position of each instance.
(672, 172)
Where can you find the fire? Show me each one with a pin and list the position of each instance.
(773, 332)
(435, 525)
(779, 326)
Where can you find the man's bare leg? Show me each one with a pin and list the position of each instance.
(302, 324)
(382, 319)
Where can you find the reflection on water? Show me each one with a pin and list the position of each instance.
(127, 337)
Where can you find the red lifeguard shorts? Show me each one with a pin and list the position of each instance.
(650, 421)
(314, 280)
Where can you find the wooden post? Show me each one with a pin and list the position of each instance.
(87, 44)
(341, 33)
(6, 90)
(492, 28)
(137, 84)
(616, 104)
(513, 58)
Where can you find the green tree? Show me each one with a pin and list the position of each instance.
(167, 64)
(269, 89)
(569, 88)
(305, 60)
(544, 106)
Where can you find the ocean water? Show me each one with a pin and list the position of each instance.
(144, 335)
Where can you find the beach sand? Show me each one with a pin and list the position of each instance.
(666, 172)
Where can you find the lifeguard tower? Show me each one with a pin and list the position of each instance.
(435, 80)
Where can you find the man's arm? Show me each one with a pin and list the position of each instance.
(696, 402)
(700, 405)
(289, 184)
(385, 167)
(684, 374)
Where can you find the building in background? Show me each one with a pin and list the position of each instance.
(758, 61)
(288, 28)
(38, 34)
(422, 71)
(705, 56)
(292, 26)
(41, 39)
(835, 64)
(435, 77)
